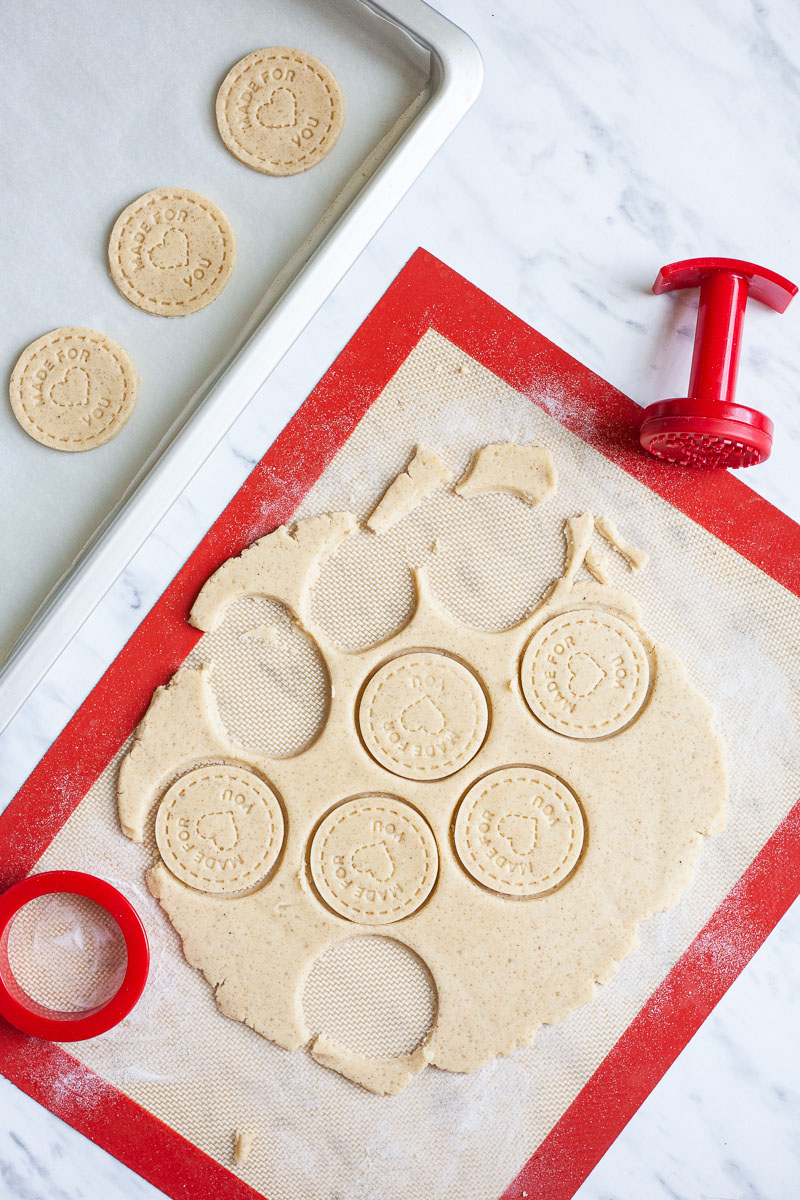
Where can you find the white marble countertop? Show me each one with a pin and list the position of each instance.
(608, 140)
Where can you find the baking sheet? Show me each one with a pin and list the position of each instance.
(102, 104)
(319, 1136)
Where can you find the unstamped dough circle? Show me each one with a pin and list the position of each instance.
(585, 673)
(280, 110)
(519, 831)
(219, 829)
(374, 860)
(423, 715)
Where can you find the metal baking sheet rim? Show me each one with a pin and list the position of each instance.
(289, 304)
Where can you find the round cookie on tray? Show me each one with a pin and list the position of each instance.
(280, 110)
(73, 389)
(171, 252)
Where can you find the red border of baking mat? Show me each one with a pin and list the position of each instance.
(425, 295)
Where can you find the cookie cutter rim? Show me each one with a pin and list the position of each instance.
(31, 1017)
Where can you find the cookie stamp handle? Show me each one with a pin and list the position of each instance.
(31, 1017)
(707, 428)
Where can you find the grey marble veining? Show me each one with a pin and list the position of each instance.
(609, 139)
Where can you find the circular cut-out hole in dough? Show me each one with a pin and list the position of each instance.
(220, 828)
(423, 715)
(585, 673)
(519, 831)
(268, 678)
(372, 995)
(374, 860)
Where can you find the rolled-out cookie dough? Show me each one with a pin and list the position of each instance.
(422, 476)
(519, 878)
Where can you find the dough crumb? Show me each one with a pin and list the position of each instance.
(242, 1145)
(527, 472)
(422, 476)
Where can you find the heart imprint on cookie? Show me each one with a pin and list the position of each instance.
(375, 860)
(279, 111)
(219, 828)
(72, 389)
(519, 831)
(171, 252)
(423, 716)
(585, 675)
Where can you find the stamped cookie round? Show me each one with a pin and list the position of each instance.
(73, 389)
(585, 674)
(171, 252)
(423, 715)
(519, 831)
(280, 110)
(374, 860)
(219, 829)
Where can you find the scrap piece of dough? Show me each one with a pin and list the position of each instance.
(578, 535)
(525, 471)
(423, 475)
(242, 1145)
(279, 110)
(607, 529)
(73, 389)
(384, 1076)
(282, 566)
(171, 252)
(601, 734)
(597, 565)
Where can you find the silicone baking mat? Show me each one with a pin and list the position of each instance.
(439, 363)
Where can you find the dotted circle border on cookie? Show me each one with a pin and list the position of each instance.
(254, 62)
(384, 806)
(188, 196)
(499, 783)
(254, 878)
(82, 334)
(575, 724)
(401, 660)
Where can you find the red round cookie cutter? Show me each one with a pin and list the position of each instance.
(706, 428)
(20, 1010)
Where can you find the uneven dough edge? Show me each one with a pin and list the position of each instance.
(384, 1076)
(282, 565)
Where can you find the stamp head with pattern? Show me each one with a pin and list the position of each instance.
(220, 829)
(423, 715)
(519, 831)
(374, 860)
(585, 673)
